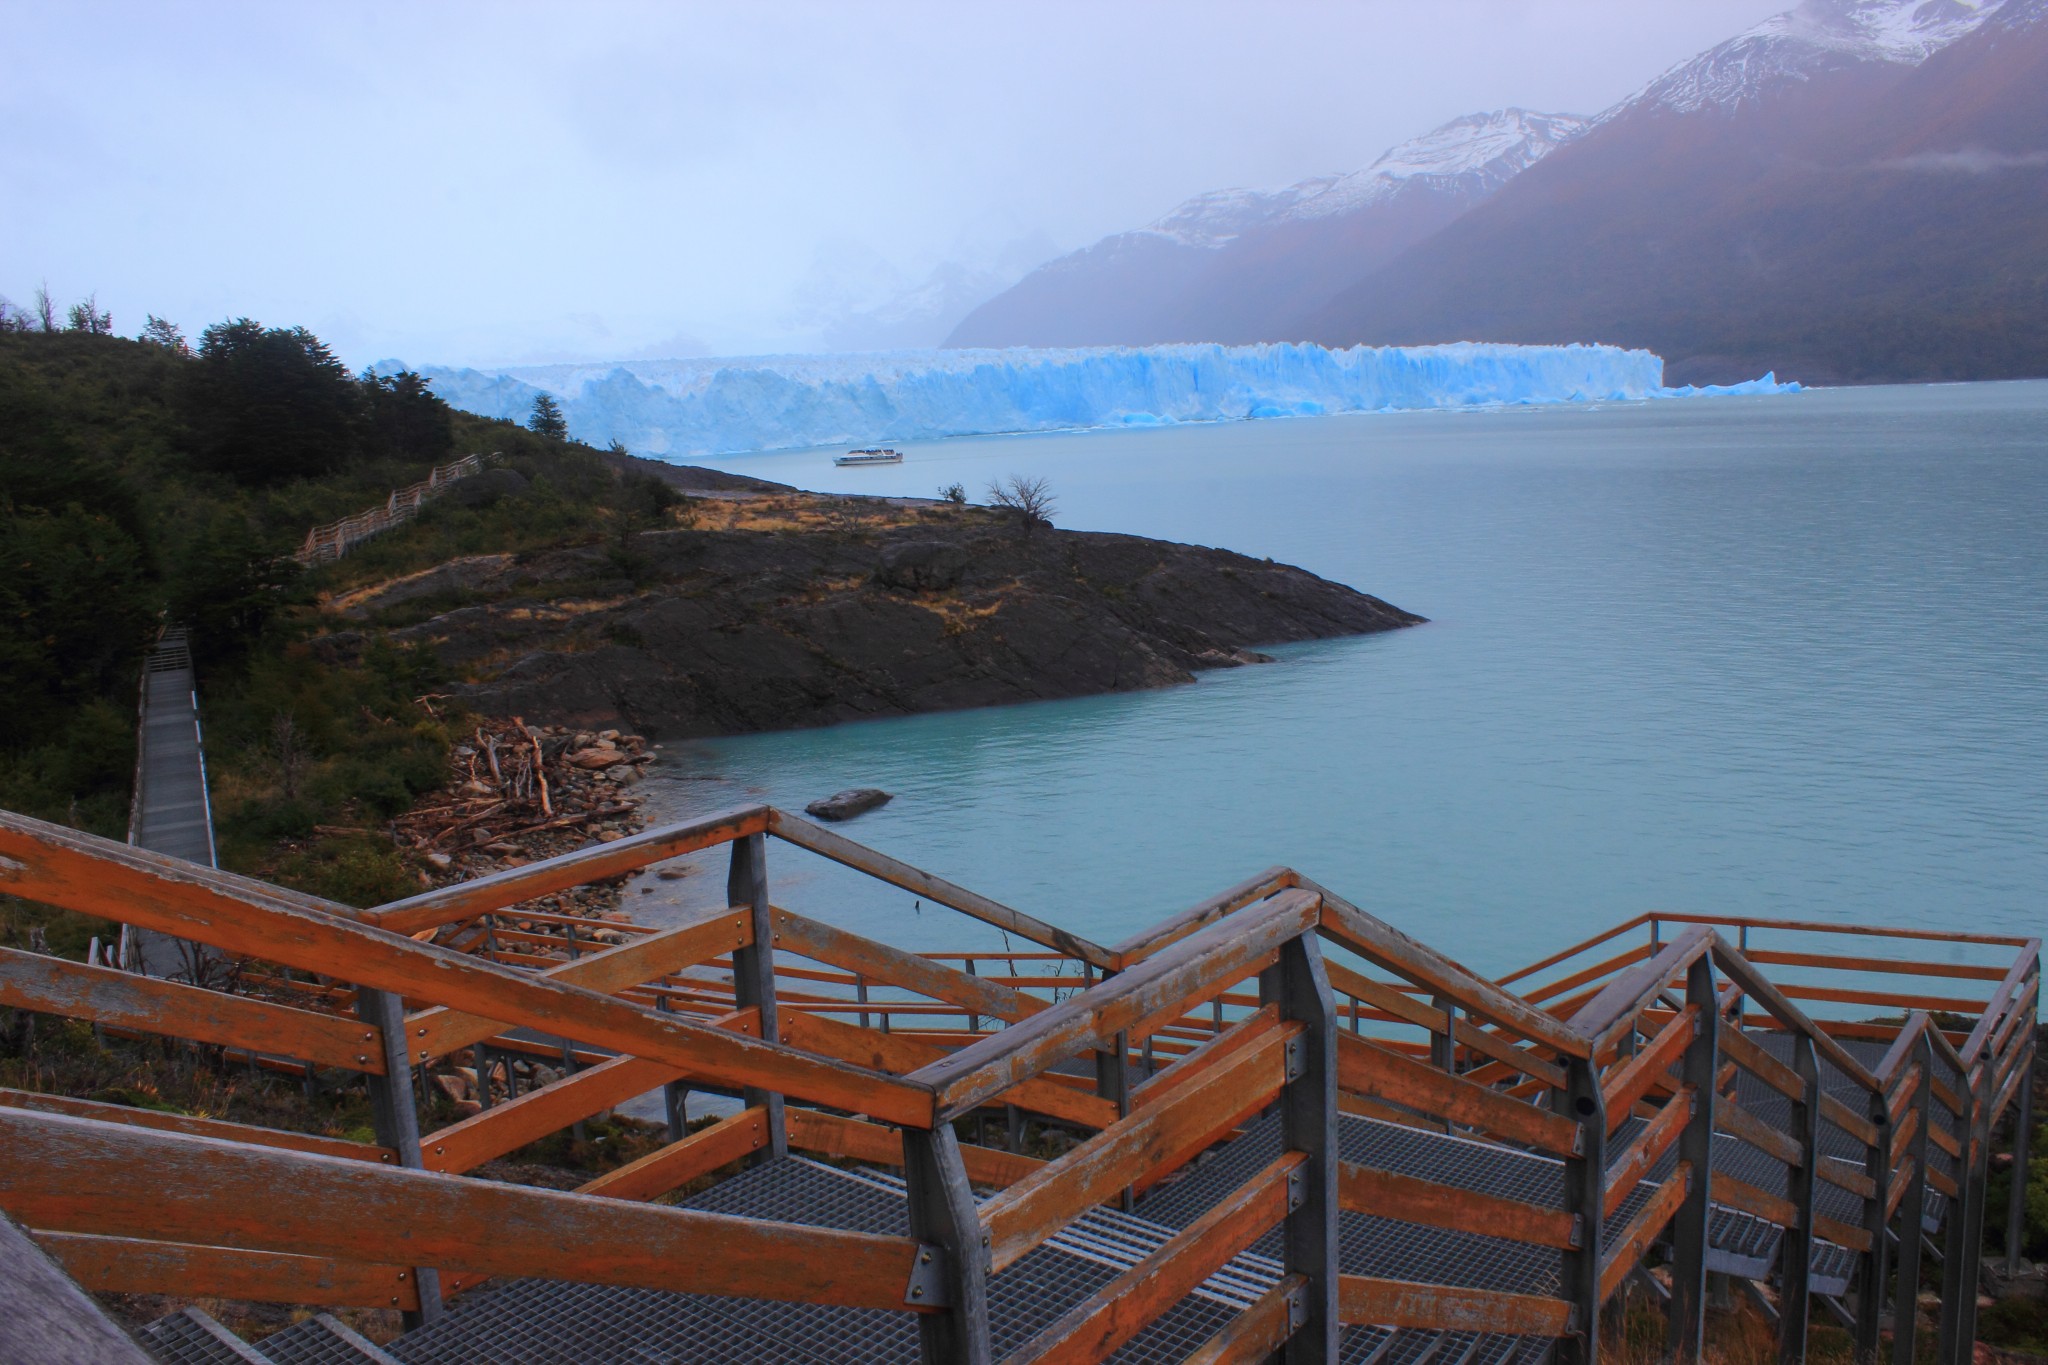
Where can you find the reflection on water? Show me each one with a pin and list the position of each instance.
(1780, 656)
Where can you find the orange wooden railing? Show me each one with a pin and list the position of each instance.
(1276, 993)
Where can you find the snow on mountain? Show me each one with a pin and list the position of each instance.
(1475, 154)
(678, 409)
(1480, 152)
(1812, 39)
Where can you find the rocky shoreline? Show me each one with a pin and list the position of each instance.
(764, 608)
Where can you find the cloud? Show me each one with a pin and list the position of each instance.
(1966, 161)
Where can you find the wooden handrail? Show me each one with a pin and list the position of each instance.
(823, 842)
(1379, 942)
(243, 916)
(1153, 989)
(1757, 988)
(1614, 1010)
(1202, 914)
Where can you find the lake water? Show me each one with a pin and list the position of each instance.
(1779, 656)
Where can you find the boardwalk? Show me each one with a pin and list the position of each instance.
(171, 813)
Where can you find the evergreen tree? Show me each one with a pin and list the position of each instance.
(408, 420)
(547, 418)
(267, 405)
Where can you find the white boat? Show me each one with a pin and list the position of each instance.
(871, 455)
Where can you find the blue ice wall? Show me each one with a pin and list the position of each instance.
(681, 408)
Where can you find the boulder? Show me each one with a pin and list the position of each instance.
(484, 489)
(849, 803)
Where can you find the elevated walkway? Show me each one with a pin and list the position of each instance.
(170, 812)
(1280, 1123)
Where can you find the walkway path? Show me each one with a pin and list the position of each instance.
(171, 813)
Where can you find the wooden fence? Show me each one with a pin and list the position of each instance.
(324, 544)
(1275, 995)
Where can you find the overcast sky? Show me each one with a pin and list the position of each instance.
(468, 183)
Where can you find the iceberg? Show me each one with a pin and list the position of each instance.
(675, 409)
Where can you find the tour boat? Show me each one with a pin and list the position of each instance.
(871, 455)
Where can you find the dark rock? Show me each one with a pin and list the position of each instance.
(922, 565)
(849, 803)
(729, 632)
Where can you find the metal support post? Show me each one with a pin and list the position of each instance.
(1113, 1083)
(396, 1122)
(1308, 1124)
(1976, 1173)
(1795, 1246)
(753, 971)
(1873, 1267)
(952, 1262)
(2022, 1133)
(675, 1096)
(1585, 1195)
(1689, 1228)
(1913, 1216)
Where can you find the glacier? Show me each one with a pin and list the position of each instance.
(675, 409)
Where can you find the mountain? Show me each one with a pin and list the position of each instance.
(1854, 191)
(1238, 265)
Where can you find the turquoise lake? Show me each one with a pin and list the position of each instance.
(1781, 656)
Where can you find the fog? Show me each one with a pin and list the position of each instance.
(484, 184)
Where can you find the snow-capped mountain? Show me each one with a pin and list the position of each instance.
(1854, 190)
(1231, 264)
(1817, 38)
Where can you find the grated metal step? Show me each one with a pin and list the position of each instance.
(322, 1340)
(191, 1337)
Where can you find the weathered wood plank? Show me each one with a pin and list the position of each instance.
(1389, 1194)
(1751, 1057)
(1402, 1005)
(198, 1127)
(1364, 1068)
(126, 1265)
(880, 963)
(823, 842)
(63, 867)
(431, 909)
(1657, 1138)
(1840, 1233)
(1626, 1252)
(901, 1052)
(1775, 1003)
(1765, 957)
(1614, 1009)
(1738, 1122)
(1096, 1328)
(682, 1161)
(1394, 951)
(1229, 901)
(1633, 1079)
(52, 985)
(436, 1032)
(1257, 1332)
(75, 1175)
(1399, 1303)
(1159, 1137)
(835, 1135)
(1152, 992)
(1747, 1198)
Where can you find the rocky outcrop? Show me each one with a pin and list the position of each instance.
(849, 803)
(708, 632)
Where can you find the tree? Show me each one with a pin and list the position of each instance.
(269, 404)
(85, 316)
(46, 307)
(955, 493)
(408, 420)
(1029, 501)
(157, 332)
(12, 319)
(641, 500)
(547, 418)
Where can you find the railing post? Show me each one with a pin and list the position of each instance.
(1951, 1345)
(1874, 1265)
(1689, 1229)
(1976, 1169)
(1585, 1196)
(753, 970)
(1795, 1247)
(675, 1096)
(1308, 1124)
(952, 1262)
(395, 1120)
(2023, 1118)
(1913, 1215)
